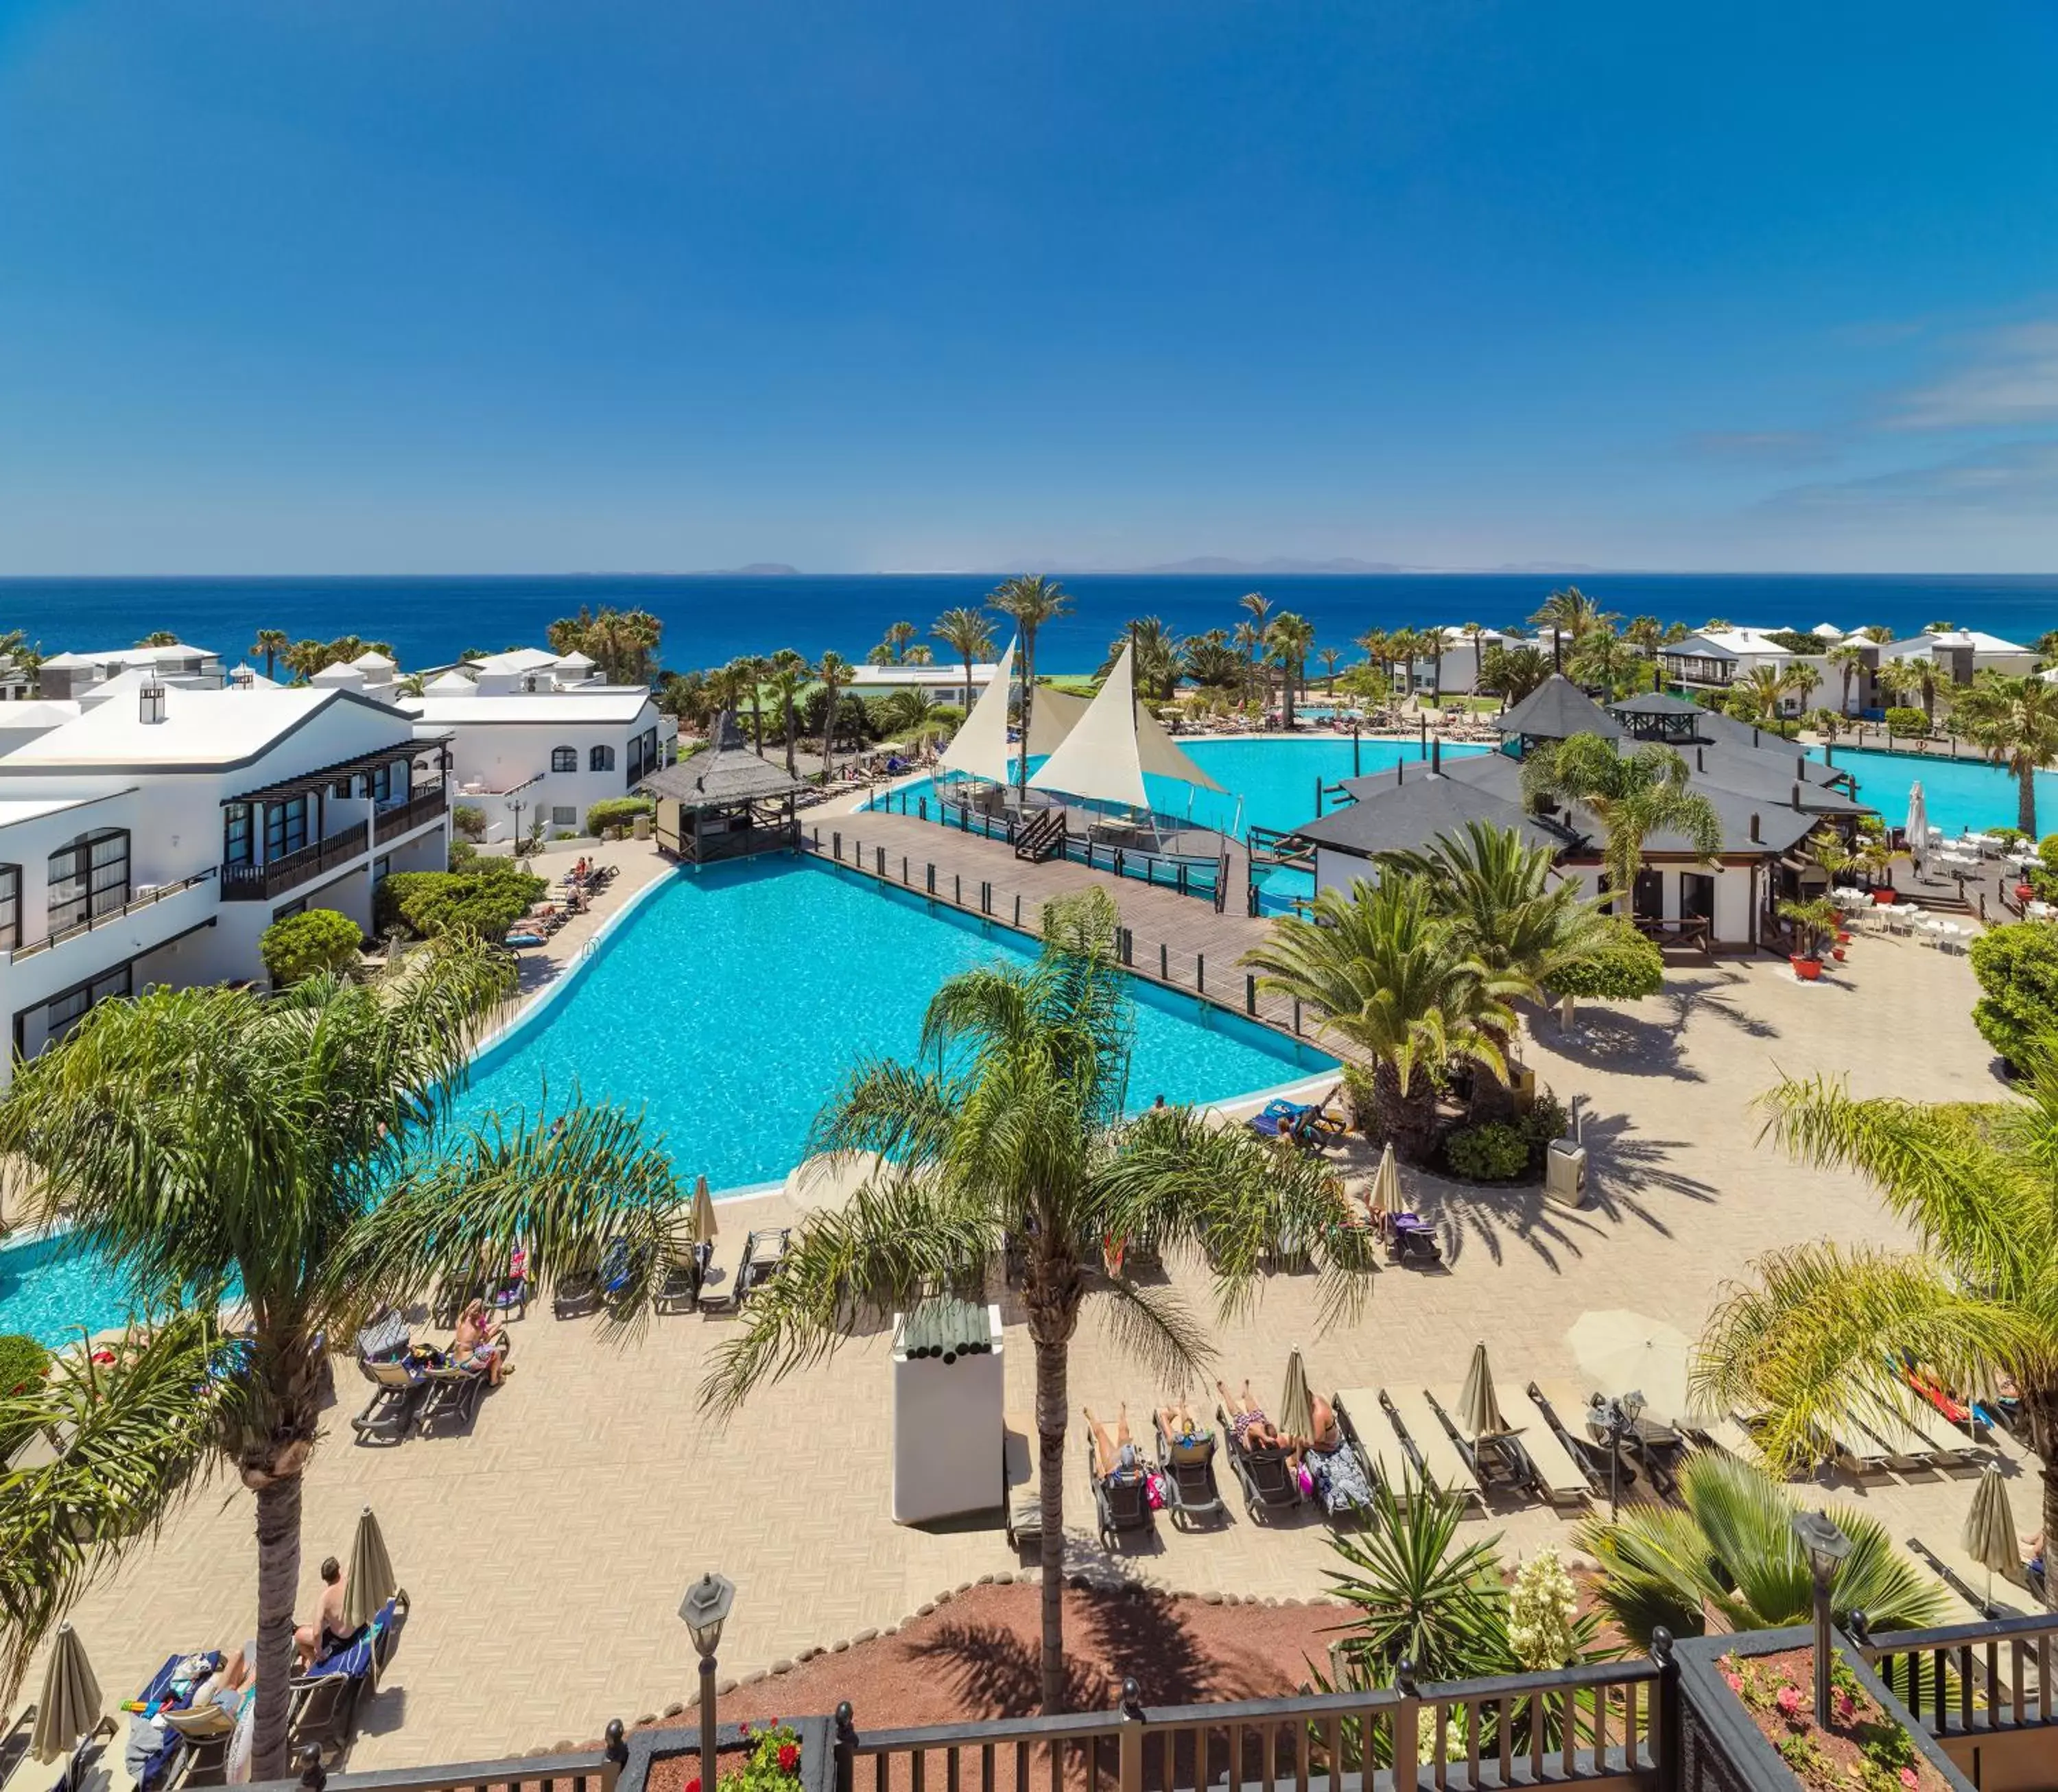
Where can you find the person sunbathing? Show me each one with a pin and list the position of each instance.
(1247, 1422)
(1181, 1432)
(328, 1633)
(476, 1346)
(1116, 1458)
(227, 1685)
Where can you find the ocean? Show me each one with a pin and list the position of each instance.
(712, 618)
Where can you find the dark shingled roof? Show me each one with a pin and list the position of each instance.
(1655, 703)
(727, 771)
(1556, 710)
(1404, 810)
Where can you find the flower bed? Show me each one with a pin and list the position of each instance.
(772, 1763)
(1863, 1750)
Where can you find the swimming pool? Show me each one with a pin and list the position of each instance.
(728, 1009)
(1959, 793)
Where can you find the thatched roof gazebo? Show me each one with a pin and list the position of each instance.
(724, 803)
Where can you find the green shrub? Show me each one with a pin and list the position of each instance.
(486, 898)
(946, 715)
(1623, 967)
(1490, 1152)
(1547, 1119)
(469, 820)
(617, 812)
(1909, 724)
(306, 944)
(23, 1363)
(2017, 969)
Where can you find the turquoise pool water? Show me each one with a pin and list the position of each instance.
(728, 1009)
(1959, 793)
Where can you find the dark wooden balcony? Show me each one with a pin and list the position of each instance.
(426, 804)
(261, 883)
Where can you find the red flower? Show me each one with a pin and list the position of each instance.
(693, 1785)
(1735, 1681)
(1908, 1779)
(790, 1757)
(743, 1729)
(1788, 1699)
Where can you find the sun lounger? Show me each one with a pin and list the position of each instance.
(1562, 1405)
(678, 1288)
(325, 1699)
(763, 1252)
(1120, 1503)
(453, 1389)
(1728, 1433)
(1948, 1447)
(1366, 1425)
(1189, 1472)
(1435, 1456)
(1906, 1448)
(398, 1390)
(1268, 1485)
(153, 1749)
(1515, 1458)
(1021, 1494)
(207, 1732)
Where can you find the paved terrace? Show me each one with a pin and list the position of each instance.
(547, 1549)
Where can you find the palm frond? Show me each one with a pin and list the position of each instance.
(1151, 1325)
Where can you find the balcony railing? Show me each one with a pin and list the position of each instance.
(260, 883)
(390, 824)
(78, 929)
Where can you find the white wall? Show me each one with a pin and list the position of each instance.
(498, 755)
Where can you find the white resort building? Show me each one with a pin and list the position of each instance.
(536, 737)
(152, 837)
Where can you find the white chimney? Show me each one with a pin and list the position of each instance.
(242, 678)
(153, 696)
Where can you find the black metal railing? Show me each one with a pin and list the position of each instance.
(149, 899)
(390, 824)
(580, 1771)
(1992, 1676)
(259, 883)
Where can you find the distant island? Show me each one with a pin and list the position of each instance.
(757, 569)
(1284, 565)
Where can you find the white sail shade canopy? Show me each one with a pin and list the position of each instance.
(1105, 754)
(979, 749)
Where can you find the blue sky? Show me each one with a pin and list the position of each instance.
(490, 285)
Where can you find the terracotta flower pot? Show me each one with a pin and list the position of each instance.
(1806, 969)
(1885, 899)
(1837, 953)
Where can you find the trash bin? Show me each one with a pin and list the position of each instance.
(1565, 1173)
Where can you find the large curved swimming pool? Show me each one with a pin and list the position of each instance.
(727, 1009)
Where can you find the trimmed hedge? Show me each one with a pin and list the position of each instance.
(616, 811)
(2017, 968)
(23, 1363)
(306, 944)
(1625, 967)
(1909, 724)
(1491, 1152)
(486, 898)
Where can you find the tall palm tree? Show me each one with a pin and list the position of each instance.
(1568, 612)
(1512, 672)
(1730, 1550)
(1475, 633)
(836, 672)
(1606, 660)
(1010, 1124)
(968, 635)
(1155, 662)
(921, 653)
(271, 643)
(1645, 634)
(898, 639)
(1376, 645)
(1292, 639)
(1633, 795)
(1433, 643)
(1847, 660)
(1821, 1327)
(790, 674)
(2015, 722)
(1249, 642)
(1390, 976)
(1912, 675)
(297, 1144)
(1031, 600)
(1405, 646)
(1329, 657)
(753, 670)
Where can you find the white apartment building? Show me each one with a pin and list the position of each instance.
(1716, 659)
(944, 681)
(536, 736)
(153, 839)
(69, 677)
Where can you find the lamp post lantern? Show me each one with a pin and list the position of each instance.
(1826, 1547)
(1617, 1418)
(705, 1609)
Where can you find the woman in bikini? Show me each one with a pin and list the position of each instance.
(1116, 1458)
(475, 1345)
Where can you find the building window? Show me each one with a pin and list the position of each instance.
(285, 828)
(66, 1010)
(236, 834)
(564, 759)
(564, 818)
(89, 877)
(340, 789)
(382, 784)
(288, 910)
(600, 759)
(11, 906)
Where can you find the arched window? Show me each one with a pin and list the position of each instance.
(600, 759)
(564, 759)
(89, 877)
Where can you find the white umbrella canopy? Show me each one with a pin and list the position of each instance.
(1479, 1410)
(1296, 1405)
(1989, 1533)
(1386, 1196)
(372, 1581)
(69, 1704)
(1917, 829)
(1627, 1352)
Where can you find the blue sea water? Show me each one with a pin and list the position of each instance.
(713, 617)
(727, 1010)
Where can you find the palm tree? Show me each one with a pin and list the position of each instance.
(753, 670)
(1603, 659)
(1512, 672)
(899, 636)
(1405, 646)
(1568, 612)
(790, 674)
(968, 635)
(1390, 976)
(1249, 642)
(1731, 1551)
(296, 1144)
(1847, 659)
(907, 710)
(1209, 660)
(1329, 657)
(1633, 795)
(1877, 635)
(1292, 638)
(1155, 662)
(835, 673)
(1475, 633)
(2015, 722)
(1645, 634)
(304, 658)
(1376, 645)
(1756, 696)
(271, 643)
(1032, 600)
(1913, 675)
(1010, 1124)
(1433, 643)
(1823, 1326)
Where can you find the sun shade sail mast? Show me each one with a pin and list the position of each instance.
(1104, 757)
(979, 749)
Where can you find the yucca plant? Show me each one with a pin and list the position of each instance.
(1730, 1548)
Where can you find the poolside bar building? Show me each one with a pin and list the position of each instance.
(724, 803)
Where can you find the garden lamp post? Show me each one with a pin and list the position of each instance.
(1617, 1417)
(705, 1609)
(1827, 1546)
